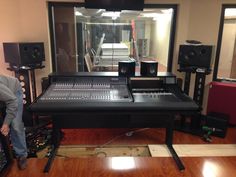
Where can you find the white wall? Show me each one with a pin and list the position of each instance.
(9, 30)
(162, 35)
(25, 20)
(204, 21)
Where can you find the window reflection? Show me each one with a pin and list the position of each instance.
(227, 59)
(122, 163)
(65, 40)
(210, 170)
(96, 39)
(127, 35)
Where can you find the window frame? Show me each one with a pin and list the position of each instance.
(219, 41)
(51, 5)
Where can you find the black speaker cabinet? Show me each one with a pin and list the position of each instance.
(219, 122)
(24, 54)
(195, 56)
(126, 68)
(148, 68)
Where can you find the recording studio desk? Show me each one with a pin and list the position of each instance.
(104, 100)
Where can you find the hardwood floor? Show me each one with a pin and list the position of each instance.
(132, 166)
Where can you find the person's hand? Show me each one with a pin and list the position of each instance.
(5, 129)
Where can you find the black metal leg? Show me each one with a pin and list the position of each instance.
(199, 87)
(169, 141)
(170, 130)
(176, 158)
(50, 159)
(56, 136)
(187, 82)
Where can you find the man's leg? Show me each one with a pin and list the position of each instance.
(18, 133)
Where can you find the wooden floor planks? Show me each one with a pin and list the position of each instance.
(143, 166)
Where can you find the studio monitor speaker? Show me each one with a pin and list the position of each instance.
(126, 68)
(148, 68)
(195, 56)
(24, 54)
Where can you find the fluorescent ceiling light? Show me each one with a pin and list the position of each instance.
(167, 11)
(100, 10)
(152, 15)
(230, 12)
(113, 15)
(77, 13)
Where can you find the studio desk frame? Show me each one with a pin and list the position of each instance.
(114, 115)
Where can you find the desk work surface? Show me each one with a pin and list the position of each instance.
(109, 92)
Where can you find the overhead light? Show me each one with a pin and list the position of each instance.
(77, 13)
(230, 12)
(113, 15)
(164, 18)
(167, 11)
(100, 10)
(152, 15)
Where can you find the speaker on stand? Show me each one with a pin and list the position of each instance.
(194, 58)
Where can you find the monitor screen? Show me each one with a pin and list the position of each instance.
(115, 5)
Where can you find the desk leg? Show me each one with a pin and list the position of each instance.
(176, 158)
(169, 142)
(56, 136)
(50, 159)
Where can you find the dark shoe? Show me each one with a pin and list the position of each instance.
(21, 162)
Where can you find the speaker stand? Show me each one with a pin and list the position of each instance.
(193, 125)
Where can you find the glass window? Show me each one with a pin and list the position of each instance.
(65, 40)
(96, 39)
(225, 67)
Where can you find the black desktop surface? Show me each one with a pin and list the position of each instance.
(137, 74)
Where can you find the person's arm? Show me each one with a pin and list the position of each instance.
(9, 98)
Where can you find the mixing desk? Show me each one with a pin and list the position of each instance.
(88, 90)
(105, 100)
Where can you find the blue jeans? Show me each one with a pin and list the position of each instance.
(17, 131)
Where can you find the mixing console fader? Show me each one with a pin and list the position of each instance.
(89, 89)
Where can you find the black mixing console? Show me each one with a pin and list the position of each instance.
(88, 89)
(105, 100)
(80, 92)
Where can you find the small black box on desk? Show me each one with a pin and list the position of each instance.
(219, 122)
